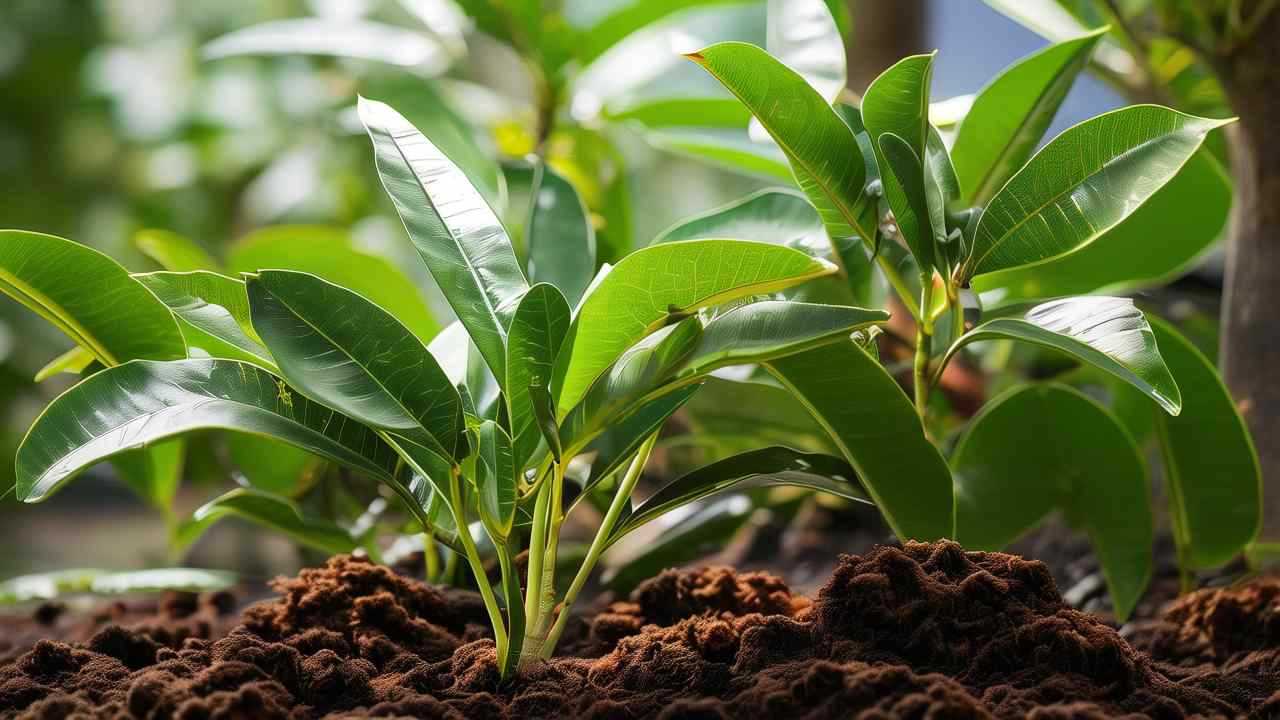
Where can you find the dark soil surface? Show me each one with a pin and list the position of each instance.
(921, 631)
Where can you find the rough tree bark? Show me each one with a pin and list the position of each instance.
(1250, 340)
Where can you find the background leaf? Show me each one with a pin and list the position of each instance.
(271, 511)
(362, 39)
(561, 241)
(213, 313)
(537, 332)
(173, 252)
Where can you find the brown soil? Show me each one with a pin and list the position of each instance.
(922, 631)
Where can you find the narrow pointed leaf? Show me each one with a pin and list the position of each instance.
(173, 251)
(1109, 333)
(729, 148)
(650, 286)
(213, 311)
(361, 39)
(72, 361)
(544, 415)
(99, 306)
(1210, 464)
(1083, 183)
(619, 442)
(341, 350)
(1010, 115)
(270, 511)
(767, 467)
(561, 240)
(898, 102)
(1085, 464)
(904, 187)
(142, 402)
(496, 479)
(537, 332)
(455, 231)
(877, 430)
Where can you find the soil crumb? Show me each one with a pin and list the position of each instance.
(919, 631)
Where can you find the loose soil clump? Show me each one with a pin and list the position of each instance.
(919, 631)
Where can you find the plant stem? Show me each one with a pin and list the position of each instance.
(508, 660)
(537, 554)
(430, 556)
(477, 566)
(598, 544)
(899, 286)
(924, 347)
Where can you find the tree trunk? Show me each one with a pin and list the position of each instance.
(1250, 348)
(884, 32)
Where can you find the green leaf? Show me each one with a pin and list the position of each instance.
(1045, 447)
(905, 189)
(537, 332)
(271, 511)
(272, 466)
(704, 112)
(684, 540)
(729, 148)
(142, 402)
(1010, 115)
(827, 160)
(561, 241)
(360, 39)
(496, 480)
(898, 102)
(154, 472)
(619, 442)
(651, 286)
(98, 306)
(329, 254)
(767, 467)
(741, 415)
(173, 251)
(213, 313)
(943, 198)
(53, 585)
(1109, 333)
(1121, 260)
(456, 233)
(1210, 464)
(341, 350)
(1083, 183)
(73, 361)
(610, 22)
(1054, 22)
(544, 414)
(877, 430)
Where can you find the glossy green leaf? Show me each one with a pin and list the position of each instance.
(99, 306)
(619, 442)
(142, 402)
(496, 479)
(72, 361)
(729, 148)
(153, 472)
(651, 286)
(360, 39)
(328, 253)
(877, 430)
(1010, 115)
(537, 332)
(944, 200)
(767, 467)
(740, 415)
(1109, 333)
(826, 158)
(213, 312)
(173, 252)
(53, 585)
(1085, 464)
(560, 239)
(456, 233)
(904, 188)
(898, 102)
(1083, 183)
(271, 511)
(341, 350)
(607, 22)
(1121, 259)
(1210, 465)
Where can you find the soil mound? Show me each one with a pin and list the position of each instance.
(921, 631)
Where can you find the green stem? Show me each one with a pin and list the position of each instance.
(477, 566)
(430, 556)
(924, 348)
(899, 286)
(598, 544)
(508, 660)
(537, 554)
(1177, 511)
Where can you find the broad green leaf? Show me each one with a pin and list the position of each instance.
(740, 415)
(1011, 114)
(898, 102)
(729, 148)
(53, 585)
(143, 402)
(766, 467)
(98, 305)
(496, 479)
(1109, 333)
(271, 511)
(1210, 465)
(72, 361)
(762, 331)
(272, 466)
(1121, 260)
(877, 430)
(651, 286)
(328, 253)
(693, 112)
(821, 148)
(615, 446)
(173, 252)
(606, 22)
(341, 350)
(1083, 183)
(904, 186)
(213, 312)
(1044, 447)
(360, 39)
(1054, 22)
(537, 332)
(454, 230)
(560, 239)
(154, 472)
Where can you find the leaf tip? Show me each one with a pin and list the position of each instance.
(696, 56)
